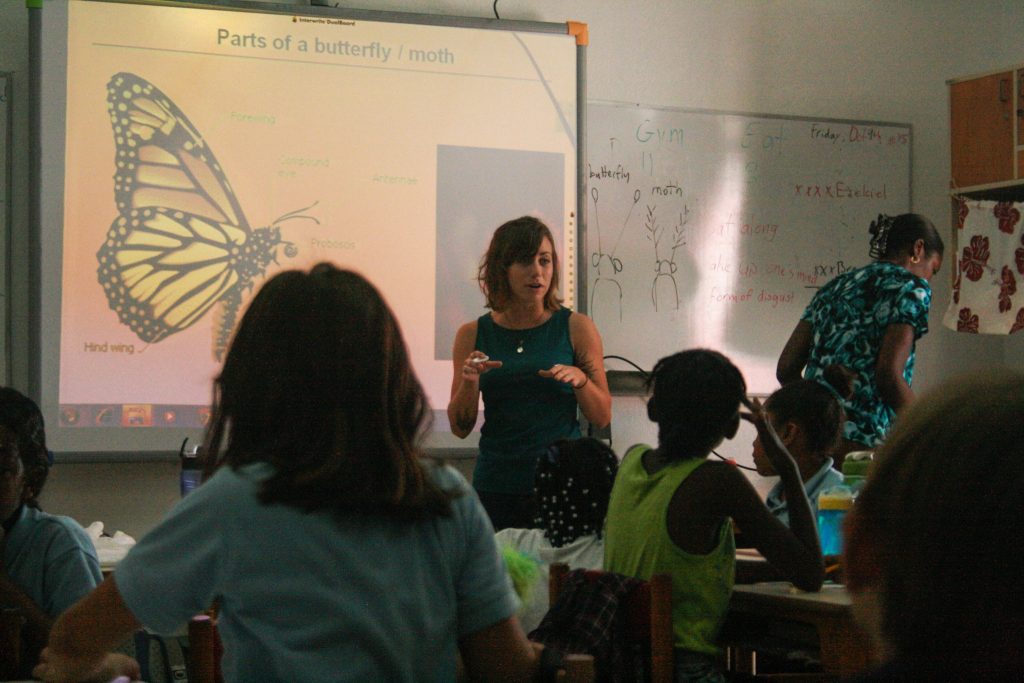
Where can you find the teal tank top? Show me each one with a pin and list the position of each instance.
(523, 412)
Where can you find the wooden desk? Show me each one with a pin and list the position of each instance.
(776, 612)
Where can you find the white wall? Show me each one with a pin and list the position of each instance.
(860, 59)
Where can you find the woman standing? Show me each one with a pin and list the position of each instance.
(868, 321)
(534, 361)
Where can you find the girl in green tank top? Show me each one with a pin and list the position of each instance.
(672, 511)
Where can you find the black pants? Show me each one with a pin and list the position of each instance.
(509, 510)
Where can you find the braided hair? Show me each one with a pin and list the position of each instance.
(573, 484)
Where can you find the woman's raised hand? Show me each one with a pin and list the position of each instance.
(476, 364)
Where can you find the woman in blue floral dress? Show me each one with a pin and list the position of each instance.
(868, 321)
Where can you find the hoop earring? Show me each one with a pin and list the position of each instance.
(915, 260)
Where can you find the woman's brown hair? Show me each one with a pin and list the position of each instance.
(317, 382)
(516, 241)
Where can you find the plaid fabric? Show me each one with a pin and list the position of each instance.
(586, 619)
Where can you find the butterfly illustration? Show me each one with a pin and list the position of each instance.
(180, 243)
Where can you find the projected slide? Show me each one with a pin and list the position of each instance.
(205, 150)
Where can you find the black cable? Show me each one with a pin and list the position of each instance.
(496, 10)
(626, 360)
(733, 462)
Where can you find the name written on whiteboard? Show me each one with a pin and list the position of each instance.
(840, 190)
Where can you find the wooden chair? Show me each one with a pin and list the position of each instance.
(576, 669)
(648, 611)
(204, 650)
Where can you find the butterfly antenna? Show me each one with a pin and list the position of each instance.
(299, 213)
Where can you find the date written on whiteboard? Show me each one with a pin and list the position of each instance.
(857, 133)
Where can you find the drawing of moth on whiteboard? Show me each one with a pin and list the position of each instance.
(665, 289)
(181, 243)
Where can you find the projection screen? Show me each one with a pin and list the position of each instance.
(187, 153)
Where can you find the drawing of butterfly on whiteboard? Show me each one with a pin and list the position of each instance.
(180, 244)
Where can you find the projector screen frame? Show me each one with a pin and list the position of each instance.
(46, 246)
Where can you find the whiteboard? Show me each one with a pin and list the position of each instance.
(715, 229)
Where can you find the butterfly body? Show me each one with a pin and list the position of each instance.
(181, 243)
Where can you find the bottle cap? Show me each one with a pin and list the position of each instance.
(189, 456)
(836, 498)
(857, 463)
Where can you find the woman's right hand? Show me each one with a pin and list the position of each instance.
(476, 364)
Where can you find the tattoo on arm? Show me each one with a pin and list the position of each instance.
(465, 419)
(585, 364)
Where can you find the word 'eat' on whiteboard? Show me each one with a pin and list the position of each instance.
(715, 229)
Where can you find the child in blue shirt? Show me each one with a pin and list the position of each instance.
(48, 561)
(334, 549)
(808, 418)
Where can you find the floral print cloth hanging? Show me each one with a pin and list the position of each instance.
(989, 269)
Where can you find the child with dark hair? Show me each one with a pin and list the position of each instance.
(48, 561)
(808, 418)
(933, 544)
(334, 549)
(573, 483)
(672, 510)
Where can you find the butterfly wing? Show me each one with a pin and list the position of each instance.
(181, 242)
(161, 160)
(162, 270)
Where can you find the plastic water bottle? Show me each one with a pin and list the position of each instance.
(833, 504)
(191, 472)
(855, 469)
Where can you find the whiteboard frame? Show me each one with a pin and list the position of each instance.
(6, 213)
(633, 382)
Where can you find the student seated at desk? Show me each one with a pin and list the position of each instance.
(48, 561)
(573, 482)
(671, 508)
(809, 420)
(933, 544)
(334, 549)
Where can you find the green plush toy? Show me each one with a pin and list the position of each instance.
(523, 569)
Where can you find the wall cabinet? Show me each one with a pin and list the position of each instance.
(986, 121)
